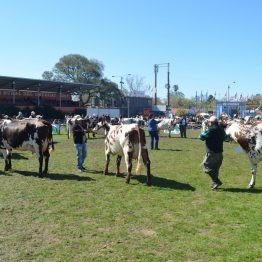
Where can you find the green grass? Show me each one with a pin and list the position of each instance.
(70, 216)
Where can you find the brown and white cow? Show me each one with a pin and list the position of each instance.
(33, 134)
(128, 141)
(86, 123)
(249, 137)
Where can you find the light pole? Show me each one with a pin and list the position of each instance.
(121, 81)
(121, 88)
(156, 66)
(228, 87)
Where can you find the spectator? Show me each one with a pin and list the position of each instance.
(32, 115)
(20, 115)
(80, 140)
(153, 132)
(183, 126)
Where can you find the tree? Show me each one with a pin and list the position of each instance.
(76, 68)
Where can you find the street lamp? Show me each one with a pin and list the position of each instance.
(121, 81)
(228, 97)
(156, 66)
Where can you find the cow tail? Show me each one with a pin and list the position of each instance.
(140, 159)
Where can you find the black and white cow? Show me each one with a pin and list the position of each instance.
(249, 137)
(33, 134)
(128, 141)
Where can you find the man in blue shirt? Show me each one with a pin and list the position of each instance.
(214, 137)
(153, 132)
(182, 127)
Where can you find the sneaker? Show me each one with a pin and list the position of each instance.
(157, 148)
(83, 168)
(79, 170)
(216, 185)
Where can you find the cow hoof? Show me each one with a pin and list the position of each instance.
(117, 174)
(250, 186)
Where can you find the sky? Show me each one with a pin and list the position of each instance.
(209, 44)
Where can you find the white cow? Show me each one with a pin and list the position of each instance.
(128, 141)
(249, 136)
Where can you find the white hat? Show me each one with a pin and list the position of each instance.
(212, 119)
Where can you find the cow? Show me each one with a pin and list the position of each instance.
(87, 123)
(166, 124)
(249, 137)
(128, 141)
(33, 134)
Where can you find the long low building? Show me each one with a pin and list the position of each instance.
(25, 92)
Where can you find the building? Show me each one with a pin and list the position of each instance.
(230, 108)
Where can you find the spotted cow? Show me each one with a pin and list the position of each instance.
(128, 141)
(249, 137)
(33, 134)
(86, 123)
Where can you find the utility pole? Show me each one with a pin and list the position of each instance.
(168, 87)
(156, 71)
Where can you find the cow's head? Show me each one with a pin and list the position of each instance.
(101, 128)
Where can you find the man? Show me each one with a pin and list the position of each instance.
(153, 132)
(32, 115)
(182, 127)
(214, 137)
(79, 136)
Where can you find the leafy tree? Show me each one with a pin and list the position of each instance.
(76, 68)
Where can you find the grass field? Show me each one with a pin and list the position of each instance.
(71, 216)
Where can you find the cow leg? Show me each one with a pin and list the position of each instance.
(40, 162)
(5, 152)
(118, 162)
(128, 159)
(9, 161)
(46, 156)
(107, 164)
(253, 178)
(147, 163)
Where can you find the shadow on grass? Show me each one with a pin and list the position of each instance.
(56, 176)
(17, 156)
(170, 149)
(241, 190)
(165, 183)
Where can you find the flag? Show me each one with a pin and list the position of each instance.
(206, 96)
(225, 94)
(236, 96)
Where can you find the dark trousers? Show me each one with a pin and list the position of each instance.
(154, 137)
(182, 131)
(211, 165)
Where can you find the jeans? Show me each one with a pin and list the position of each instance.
(154, 137)
(80, 154)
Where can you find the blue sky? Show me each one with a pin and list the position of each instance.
(208, 43)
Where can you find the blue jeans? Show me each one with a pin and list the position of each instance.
(80, 154)
(154, 138)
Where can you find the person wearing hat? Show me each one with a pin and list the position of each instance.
(20, 115)
(213, 137)
(79, 136)
(32, 115)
